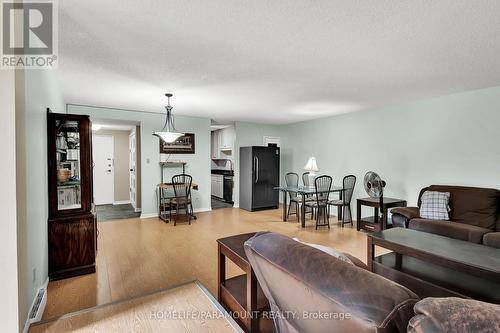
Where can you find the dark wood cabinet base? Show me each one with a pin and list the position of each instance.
(72, 246)
(72, 272)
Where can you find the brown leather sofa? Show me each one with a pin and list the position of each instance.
(474, 215)
(313, 292)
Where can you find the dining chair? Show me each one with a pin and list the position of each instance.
(322, 185)
(292, 180)
(182, 196)
(309, 197)
(305, 179)
(348, 184)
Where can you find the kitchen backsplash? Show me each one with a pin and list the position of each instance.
(220, 164)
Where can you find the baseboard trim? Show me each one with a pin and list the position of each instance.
(121, 202)
(148, 215)
(137, 210)
(201, 210)
(41, 308)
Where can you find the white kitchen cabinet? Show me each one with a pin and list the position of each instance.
(222, 143)
(226, 138)
(215, 144)
(217, 186)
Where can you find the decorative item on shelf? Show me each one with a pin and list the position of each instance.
(63, 175)
(312, 167)
(168, 133)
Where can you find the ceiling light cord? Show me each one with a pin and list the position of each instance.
(168, 133)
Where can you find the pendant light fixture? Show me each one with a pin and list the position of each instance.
(168, 132)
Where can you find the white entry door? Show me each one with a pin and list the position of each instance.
(132, 169)
(104, 173)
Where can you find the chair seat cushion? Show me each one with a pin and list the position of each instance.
(450, 229)
(316, 204)
(181, 201)
(336, 202)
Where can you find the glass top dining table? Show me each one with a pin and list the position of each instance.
(304, 191)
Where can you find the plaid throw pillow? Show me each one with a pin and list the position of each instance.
(435, 205)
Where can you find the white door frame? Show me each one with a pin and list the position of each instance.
(132, 166)
(112, 163)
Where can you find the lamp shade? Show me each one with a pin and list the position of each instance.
(311, 165)
(168, 137)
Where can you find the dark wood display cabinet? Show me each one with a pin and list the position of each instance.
(72, 224)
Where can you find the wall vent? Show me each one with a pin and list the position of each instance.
(36, 304)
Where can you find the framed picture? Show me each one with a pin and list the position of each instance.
(183, 145)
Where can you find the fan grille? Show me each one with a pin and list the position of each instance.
(374, 185)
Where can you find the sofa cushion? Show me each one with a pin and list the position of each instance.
(492, 239)
(471, 205)
(457, 315)
(330, 250)
(450, 229)
(435, 205)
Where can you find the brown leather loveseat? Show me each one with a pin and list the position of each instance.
(311, 291)
(314, 292)
(474, 215)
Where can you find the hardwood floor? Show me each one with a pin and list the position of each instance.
(139, 256)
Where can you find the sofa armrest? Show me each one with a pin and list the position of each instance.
(492, 239)
(401, 216)
(451, 314)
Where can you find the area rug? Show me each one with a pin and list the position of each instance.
(116, 212)
(186, 308)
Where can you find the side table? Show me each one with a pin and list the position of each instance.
(241, 295)
(372, 223)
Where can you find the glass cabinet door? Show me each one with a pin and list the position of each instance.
(68, 164)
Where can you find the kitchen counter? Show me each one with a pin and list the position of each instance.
(222, 172)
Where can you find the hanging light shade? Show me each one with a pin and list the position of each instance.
(168, 132)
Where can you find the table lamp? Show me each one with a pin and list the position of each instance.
(312, 167)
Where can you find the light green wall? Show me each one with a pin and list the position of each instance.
(36, 90)
(198, 164)
(447, 140)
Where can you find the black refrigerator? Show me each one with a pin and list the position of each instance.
(259, 174)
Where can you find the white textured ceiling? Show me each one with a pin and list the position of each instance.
(274, 61)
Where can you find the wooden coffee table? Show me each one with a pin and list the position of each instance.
(436, 266)
(241, 295)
